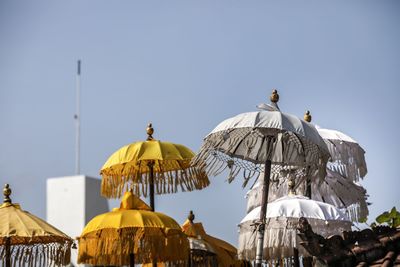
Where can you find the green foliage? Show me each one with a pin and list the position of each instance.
(396, 222)
(384, 217)
(363, 220)
(391, 218)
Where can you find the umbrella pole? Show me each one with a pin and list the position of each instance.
(131, 260)
(151, 165)
(296, 257)
(263, 212)
(8, 252)
(308, 190)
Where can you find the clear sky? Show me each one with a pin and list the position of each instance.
(186, 66)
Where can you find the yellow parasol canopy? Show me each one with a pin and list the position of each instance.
(226, 253)
(111, 238)
(27, 239)
(132, 166)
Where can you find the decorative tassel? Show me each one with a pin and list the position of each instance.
(148, 244)
(168, 175)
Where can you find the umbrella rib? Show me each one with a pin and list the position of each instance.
(20, 221)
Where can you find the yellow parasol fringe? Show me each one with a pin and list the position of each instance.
(38, 255)
(113, 246)
(115, 179)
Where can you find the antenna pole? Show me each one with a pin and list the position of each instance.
(78, 120)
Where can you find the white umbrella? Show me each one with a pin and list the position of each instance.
(347, 156)
(251, 140)
(335, 190)
(347, 161)
(281, 229)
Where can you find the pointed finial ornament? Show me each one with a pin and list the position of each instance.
(274, 96)
(307, 116)
(7, 193)
(191, 216)
(291, 187)
(150, 132)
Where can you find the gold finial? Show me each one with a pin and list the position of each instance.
(274, 96)
(191, 216)
(291, 187)
(150, 132)
(7, 193)
(307, 116)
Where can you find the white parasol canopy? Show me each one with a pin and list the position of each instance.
(346, 154)
(297, 206)
(335, 190)
(247, 140)
(269, 140)
(281, 226)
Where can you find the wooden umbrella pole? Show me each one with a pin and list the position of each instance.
(152, 205)
(308, 188)
(151, 167)
(263, 212)
(132, 260)
(8, 252)
(150, 164)
(296, 262)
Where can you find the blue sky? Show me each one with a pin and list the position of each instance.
(186, 66)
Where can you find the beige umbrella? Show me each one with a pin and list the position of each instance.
(281, 242)
(266, 139)
(26, 240)
(335, 190)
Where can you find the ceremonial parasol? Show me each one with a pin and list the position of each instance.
(207, 250)
(281, 228)
(26, 240)
(335, 190)
(266, 138)
(347, 156)
(132, 234)
(347, 161)
(151, 165)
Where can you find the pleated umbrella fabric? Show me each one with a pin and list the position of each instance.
(109, 238)
(281, 226)
(347, 156)
(127, 168)
(31, 240)
(247, 140)
(334, 189)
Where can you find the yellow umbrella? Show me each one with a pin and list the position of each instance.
(141, 166)
(132, 233)
(226, 254)
(27, 240)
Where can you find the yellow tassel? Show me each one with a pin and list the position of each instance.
(169, 175)
(147, 244)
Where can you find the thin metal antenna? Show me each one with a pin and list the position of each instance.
(77, 118)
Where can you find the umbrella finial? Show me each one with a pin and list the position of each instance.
(273, 106)
(149, 131)
(7, 192)
(291, 187)
(191, 216)
(274, 96)
(307, 116)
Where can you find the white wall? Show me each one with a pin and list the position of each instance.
(72, 201)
